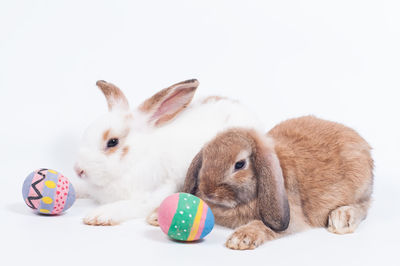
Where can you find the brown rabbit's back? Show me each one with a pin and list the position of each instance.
(325, 165)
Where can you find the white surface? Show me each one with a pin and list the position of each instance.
(338, 60)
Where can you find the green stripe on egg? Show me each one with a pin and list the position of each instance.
(184, 217)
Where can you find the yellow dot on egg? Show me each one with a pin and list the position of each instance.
(47, 200)
(50, 184)
(52, 171)
(44, 211)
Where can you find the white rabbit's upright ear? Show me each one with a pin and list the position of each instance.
(273, 202)
(114, 96)
(167, 103)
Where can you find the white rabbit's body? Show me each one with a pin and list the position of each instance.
(158, 158)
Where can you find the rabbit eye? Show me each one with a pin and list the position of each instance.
(240, 164)
(112, 143)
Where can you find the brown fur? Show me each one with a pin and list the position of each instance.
(178, 94)
(125, 151)
(162, 107)
(107, 135)
(329, 165)
(113, 94)
(327, 173)
(149, 104)
(155, 100)
(111, 150)
(250, 236)
(271, 189)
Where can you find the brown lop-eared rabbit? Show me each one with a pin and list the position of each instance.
(305, 172)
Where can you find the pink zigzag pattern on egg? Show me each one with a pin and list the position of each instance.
(39, 195)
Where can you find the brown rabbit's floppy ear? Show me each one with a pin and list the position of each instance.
(167, 103)
(114, 96)
(273, 203)
(190, 185)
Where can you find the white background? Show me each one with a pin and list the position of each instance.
(339, 60)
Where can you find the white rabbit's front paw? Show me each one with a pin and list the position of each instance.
(104, 215)
(152, 219)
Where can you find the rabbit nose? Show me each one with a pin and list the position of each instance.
(79, 171)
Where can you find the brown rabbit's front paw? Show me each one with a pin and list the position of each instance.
(249, 236)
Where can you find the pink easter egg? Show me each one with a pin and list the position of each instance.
(185, 217)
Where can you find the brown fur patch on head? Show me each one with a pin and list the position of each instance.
(111, 150)
(125, 151)
(106, 135)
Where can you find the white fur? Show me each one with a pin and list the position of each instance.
(158, 158)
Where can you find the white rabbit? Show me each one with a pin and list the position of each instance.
(131, 160)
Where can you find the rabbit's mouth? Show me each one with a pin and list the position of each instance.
(80, 172)
(225, 203)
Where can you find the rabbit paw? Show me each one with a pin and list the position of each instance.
(244, 238)
(248, 236)
(343, 220)
(152, 219)
(104, 215)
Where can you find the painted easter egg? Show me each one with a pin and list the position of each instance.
(48, 191)
(185, 217)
